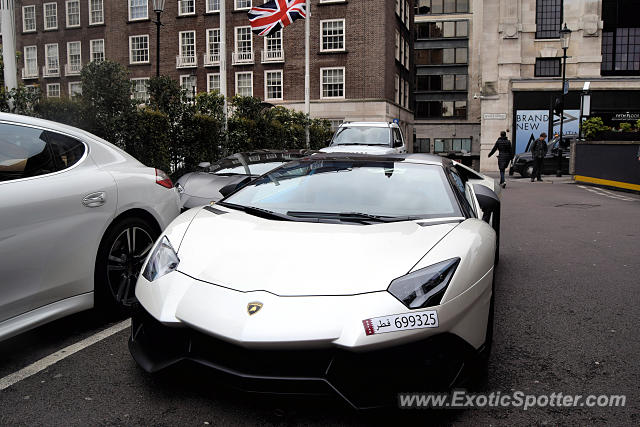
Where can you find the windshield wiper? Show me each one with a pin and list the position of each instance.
(351, 216)
(259, 212)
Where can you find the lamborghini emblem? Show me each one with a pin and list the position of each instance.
(253, 308)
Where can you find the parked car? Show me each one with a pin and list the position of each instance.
(203, 187)
(78, 216)
(523, 162)
(356, 274)
(367, 138)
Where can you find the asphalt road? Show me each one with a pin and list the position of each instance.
(567, 313)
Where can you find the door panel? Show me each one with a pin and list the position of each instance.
(48, 238)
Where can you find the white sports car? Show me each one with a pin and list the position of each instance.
(78, 216)
(337, 273)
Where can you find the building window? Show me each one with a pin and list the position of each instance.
(244, 84)
(332, 83)
(273, 47)
(186, 7)
(446, 56)
(96, 12)
(139, 89)
(406, 94)
(397, 88)
(138, 9)
(620, 38)
(187, 47)
(50, 16)
(75, 89)
(244, 46)
(547, 67)
(440, 109)
(242, 4)
(189, 85)
(97, 50)
(139, 49)
(213, 6)
(422, 145)
(397, 45)
(213, 45)
(273, 85)
(213, 82)
(440, 83)
(28, 19)
(74, 58)
(446, 145)
(442, 30)
(52, 60)
(438, 7)
(30, 62)
(548, 19)
(332, 35)
(406, 54)
(53, 90)
(73, 13)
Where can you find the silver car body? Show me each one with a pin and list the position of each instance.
(51, 226)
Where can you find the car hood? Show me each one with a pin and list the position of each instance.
(524, 156)
(246, 253)
(360, 149)
(202, 188)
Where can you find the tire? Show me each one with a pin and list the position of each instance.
(484, 354)
(527, 171)
(123, 249)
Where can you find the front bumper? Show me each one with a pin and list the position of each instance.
(364, 379)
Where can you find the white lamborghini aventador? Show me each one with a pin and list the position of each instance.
(342, 273)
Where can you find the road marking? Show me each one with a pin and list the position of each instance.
(606, 193)
(44, 363)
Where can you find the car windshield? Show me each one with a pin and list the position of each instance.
(330, 188)
(255, 164)
(362, 136)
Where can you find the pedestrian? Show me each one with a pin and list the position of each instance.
(538, 151)
(505, 154)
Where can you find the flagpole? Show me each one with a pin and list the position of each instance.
(307, 71)
(9, 45)
(223, 69)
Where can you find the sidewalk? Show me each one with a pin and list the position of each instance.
(546, 179)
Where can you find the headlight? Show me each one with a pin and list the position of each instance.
(163, 260)
(425, 287)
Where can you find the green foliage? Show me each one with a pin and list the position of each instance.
(61, 110)
(106, 95)
(149, 140)
(25, 99)
(592, 126)
(626, 127)
(165, 95)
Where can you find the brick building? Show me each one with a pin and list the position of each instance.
(360, 51)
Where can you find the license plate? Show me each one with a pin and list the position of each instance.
(401, 322)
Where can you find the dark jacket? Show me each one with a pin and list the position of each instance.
(539, 149)
(503, 145)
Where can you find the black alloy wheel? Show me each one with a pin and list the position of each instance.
(123, 250)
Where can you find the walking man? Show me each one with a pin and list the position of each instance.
(538, 151)
(505, 154)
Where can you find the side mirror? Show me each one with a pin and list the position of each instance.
(234, 185)
(204, 165)
(490, 205)
(398, 143)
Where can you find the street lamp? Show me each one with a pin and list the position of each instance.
(565, 36)
(158, 8)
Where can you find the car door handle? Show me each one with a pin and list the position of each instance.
(95, 200)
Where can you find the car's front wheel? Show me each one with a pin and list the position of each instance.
(122, 252)
(527, 171)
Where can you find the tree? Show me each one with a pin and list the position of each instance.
(106, 96)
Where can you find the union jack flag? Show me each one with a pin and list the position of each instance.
(274, 15)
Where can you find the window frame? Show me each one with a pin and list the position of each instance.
(44, 15)
(180, 49)
(235, 5)
(134, 80)
(189, 93)
(79, 42)
(73, 84)
(141, 18)
(209, 86)
(344, 82)
(92, 50)
(46, 56)
(344, 35)
(49, 86)
(537, 68)
(543, 33)
(66, 9)
(235, 37)
(207, 10)
(33, 48)
(266, 85)
(180, 3)
(24, 19)
(131, 61)
(90, 8)
(236, 82)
